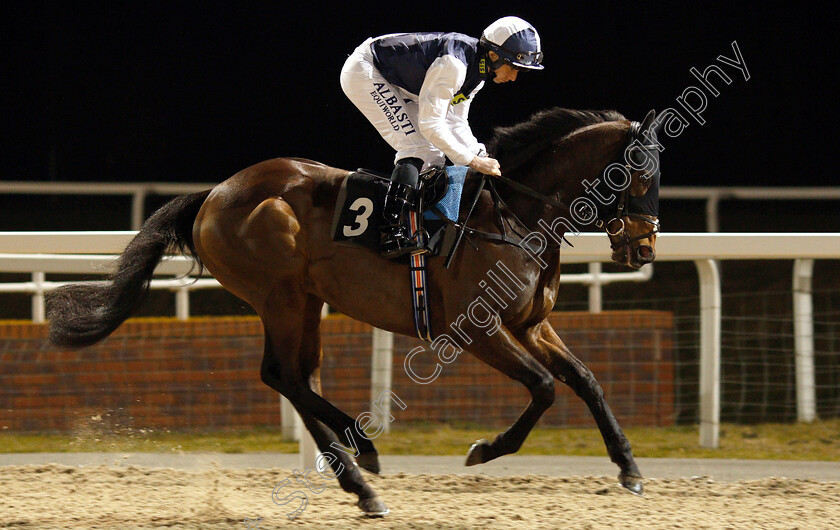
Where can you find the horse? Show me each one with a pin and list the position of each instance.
(265, 235)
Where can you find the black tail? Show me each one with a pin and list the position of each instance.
(81, 315)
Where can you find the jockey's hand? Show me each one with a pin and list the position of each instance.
(486, 165)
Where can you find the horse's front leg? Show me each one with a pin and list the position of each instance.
(544, 344)
(504, 352)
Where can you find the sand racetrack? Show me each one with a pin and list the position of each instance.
(62, 496)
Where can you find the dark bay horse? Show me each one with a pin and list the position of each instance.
(265, 235)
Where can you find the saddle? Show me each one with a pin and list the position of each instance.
(358, 214)
(358, 210)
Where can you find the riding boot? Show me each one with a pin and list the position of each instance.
(396, 232)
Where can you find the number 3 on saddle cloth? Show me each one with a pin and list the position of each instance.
(358, 214)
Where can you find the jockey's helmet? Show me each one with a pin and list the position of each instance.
(515, 41)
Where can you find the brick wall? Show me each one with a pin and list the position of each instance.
(204, 375)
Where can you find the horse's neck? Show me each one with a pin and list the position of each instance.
(559, 171)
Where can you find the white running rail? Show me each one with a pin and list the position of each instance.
(138, 191)
(703, 249)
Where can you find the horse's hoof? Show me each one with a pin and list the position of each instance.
(633, 483)
(368, 462)
(373, 507)
(476, 453)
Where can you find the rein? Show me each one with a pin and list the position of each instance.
(521, 188)
(520, 242)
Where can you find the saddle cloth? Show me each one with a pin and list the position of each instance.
(358, 210)
(450, 204)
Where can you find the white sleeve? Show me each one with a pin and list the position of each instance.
(443, 78)
(459, 125)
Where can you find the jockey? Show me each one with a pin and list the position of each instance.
(416, 89)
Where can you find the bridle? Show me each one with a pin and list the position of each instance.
(620, 213)
(620, 232)
(621, 209)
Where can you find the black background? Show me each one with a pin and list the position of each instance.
(193, 92)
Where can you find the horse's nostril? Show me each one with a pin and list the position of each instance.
(644, 253)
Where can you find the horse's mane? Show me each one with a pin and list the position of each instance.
(512, 146)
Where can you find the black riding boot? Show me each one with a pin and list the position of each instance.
(399, 202)
(396, 233)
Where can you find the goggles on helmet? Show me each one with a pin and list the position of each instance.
(521, 60)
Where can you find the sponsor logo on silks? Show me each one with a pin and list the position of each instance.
(459, 98)
(393, 111)
(482, 66)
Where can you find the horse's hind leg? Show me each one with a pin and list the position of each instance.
(546, 347)
(345, 469)
(295, 372)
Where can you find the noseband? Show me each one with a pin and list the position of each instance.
(621, 212)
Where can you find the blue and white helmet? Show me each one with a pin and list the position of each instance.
(516, 43)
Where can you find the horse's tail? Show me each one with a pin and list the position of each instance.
(84, 314)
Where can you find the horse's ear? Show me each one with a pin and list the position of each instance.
(646, 123)
(658, 126)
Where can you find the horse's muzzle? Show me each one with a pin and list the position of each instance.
(634, 257)
(645, 254)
